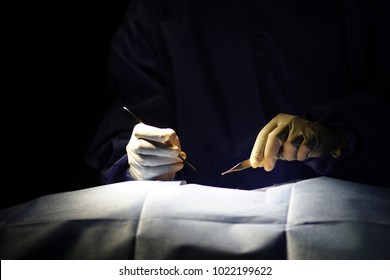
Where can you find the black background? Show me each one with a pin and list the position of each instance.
(55, 92)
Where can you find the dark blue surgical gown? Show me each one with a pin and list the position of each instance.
(217, 71)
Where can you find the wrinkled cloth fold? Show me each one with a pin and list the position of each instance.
(320, 218)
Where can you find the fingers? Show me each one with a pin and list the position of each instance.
(154, 163)
(286, 137)
(257, 154)
(148, 161)
(150, 140)
(151, 160)
(303, 152)
(274, 145)
(155, 134)
(153, 153)
(308, 148)
(292, 145)
(153, 172)
(144, 147)
(269, 142)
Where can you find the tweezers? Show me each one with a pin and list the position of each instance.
(238, 167)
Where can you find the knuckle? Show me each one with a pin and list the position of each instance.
(135, 146)
(169, 133)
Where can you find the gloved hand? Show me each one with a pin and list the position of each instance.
(289, 137)
(153, 153)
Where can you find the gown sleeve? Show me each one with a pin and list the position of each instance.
(364, 114)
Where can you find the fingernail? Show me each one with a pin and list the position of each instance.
(268, 167)
(256, 162)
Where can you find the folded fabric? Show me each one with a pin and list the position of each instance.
(320, 218)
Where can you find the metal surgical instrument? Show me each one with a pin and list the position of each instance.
(238, 167)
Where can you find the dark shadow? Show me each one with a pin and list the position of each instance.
(57, 68)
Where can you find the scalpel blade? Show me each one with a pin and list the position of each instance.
(238, 167)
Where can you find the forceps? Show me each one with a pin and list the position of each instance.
(238, 167)
(139, 120)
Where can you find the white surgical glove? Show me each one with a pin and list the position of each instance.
(153, 153)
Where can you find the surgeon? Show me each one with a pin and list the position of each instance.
(296, 89)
